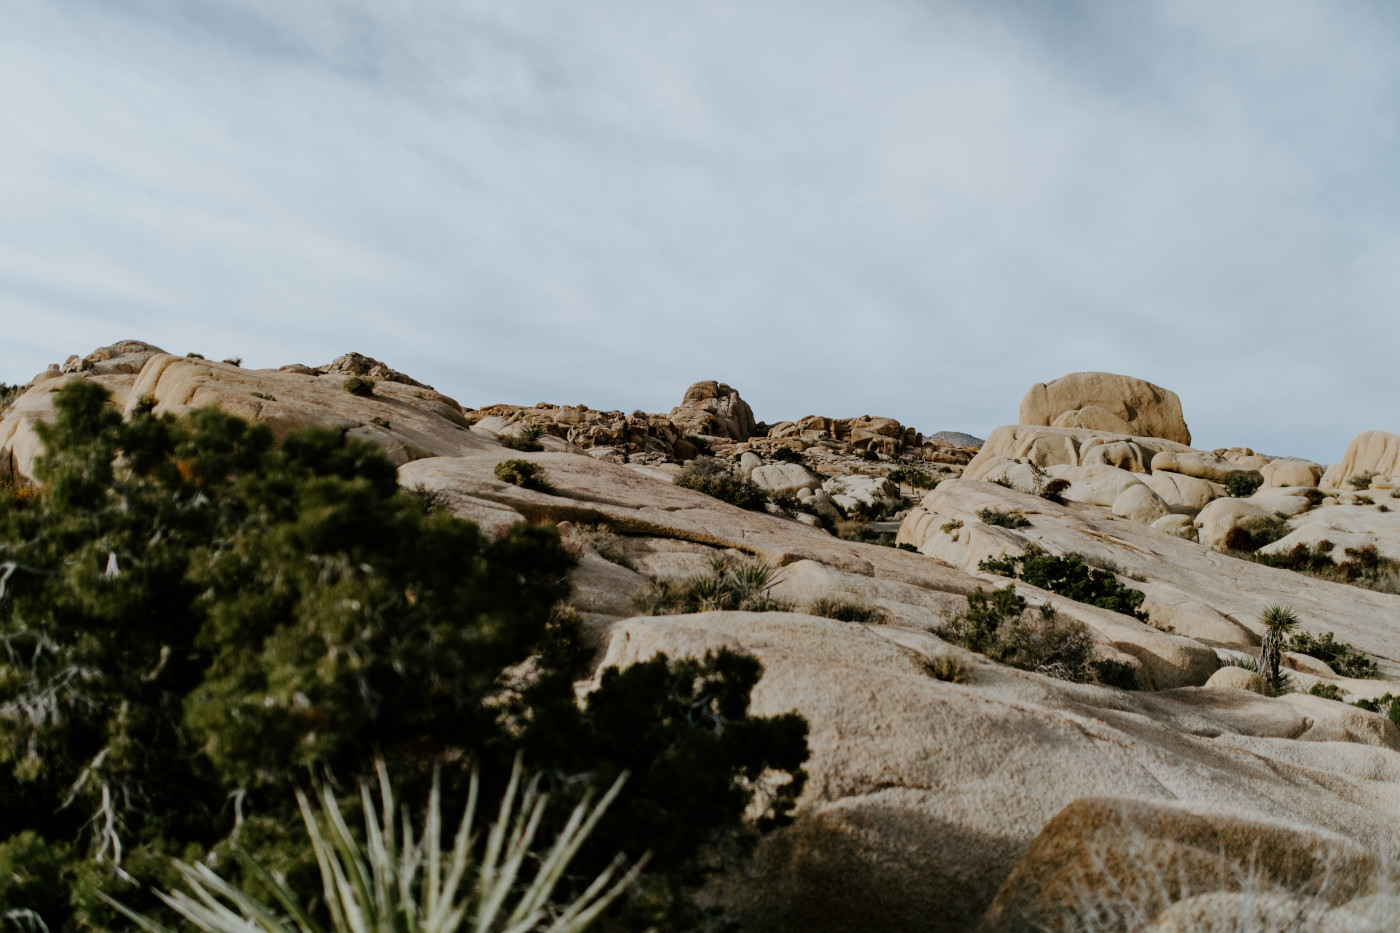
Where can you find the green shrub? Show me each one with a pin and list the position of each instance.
(1054, 490)
(950, 526)
(729, 585)
(947, 667)
(1033, 640)
(1071, 577)
(1360, 499)
(264, 396)
(715, 478)
(870, 456)
(1003, 519)
(1326, 691)
(787, 455)
(1255, 532)
(234, 361)
(196, 620)
(1243, 485)
(1361, 480)
(8, 395)
(1362, 566)
(522, 473)
(357, 385)
(527, 440)
(1114, 673)
(1386, 706)
(1340, 656)
(846, 608)
(909, 475)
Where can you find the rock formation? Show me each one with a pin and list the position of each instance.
(1106, 402)
(946, 791)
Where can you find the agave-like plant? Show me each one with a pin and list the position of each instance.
(394, 883)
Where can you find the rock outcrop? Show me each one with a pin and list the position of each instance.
(713, 409)
(1106, 402)
(1369, 453)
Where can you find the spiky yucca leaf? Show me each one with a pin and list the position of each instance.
(394, 884)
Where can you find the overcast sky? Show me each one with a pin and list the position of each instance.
(911, 209)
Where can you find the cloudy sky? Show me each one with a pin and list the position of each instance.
(906, 207)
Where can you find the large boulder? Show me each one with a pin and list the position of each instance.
(1135, 858)
(1106, 402)
(1185, 495)
(784, 479)
(1368, 452)
(713, 409)
(1219, 519)
(1286, 472)
(1202, 465)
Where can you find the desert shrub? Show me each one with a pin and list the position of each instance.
(906, 546)
(951, 526)
(873, 511)
(522, 473)
(787, 455)
(1361, 499)
(715, 478)
(8, 394)
(1270, 686)
(846, 608)
(608, 544)
(1103, 563)
(910, 475)
(196, 620)
(1245, 661)
(786, 504)
(701, 445)
(1114, 673)
(1071, 577)
(1340, 656)
(1255, 532)
(1326, 691)
(264, 396)
(1003, 519)
(947, 667)
(1361, 480)
(1387, 706)
(1038, 640)
(1361, 566)
(357, 385)
(1243, 485)
(527, 440)
(1054, 490)
(234, 360)
(728, 585)
(870, 456)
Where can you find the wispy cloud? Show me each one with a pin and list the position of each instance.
(914, 209)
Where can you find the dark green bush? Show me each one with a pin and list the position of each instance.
(1254, 533)
(846, 608)
(870, 456)
(8, 394)
(910, 475)
(1387, 705)
(522, 473)
(1361, 566)
(1070, 577)
(1243, 485)
(716, 478)
(1054, 490)
(787, 455)
(196, 621)
(1340, 656)
(1361, 480)
(1003, 519)
(1039, 640)
(528, 440)
(729, 585)
(357, 385)
(1326, 691)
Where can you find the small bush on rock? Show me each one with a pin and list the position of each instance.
(846, 608)
(1054, 490)
(1387, 706)
(1326, 691)
(787, 455)
(526, 441)
(1361, 480)
(1038, 640)
(1340, 656)
(947, 667)
(1003, 519)
(8, 394)
(729, 585)
(357, 385)
(1255, 532)
(1071, 577)
(522, 473)
(1243, 485)
(715, 478)
(910, 475)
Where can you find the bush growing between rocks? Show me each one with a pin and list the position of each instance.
(1361, 480)
(947, 667)
(1054, 490)
(1362, 566)
(1071, 577)
(8, 394)
(1038, 640)
(846, 608)
(357, 385)
(1243, 485)
(1253, 533)
(909, 475)
(522, 473)
(729, 585)
(1003, 519)
(715, 478)
(1340, 656)
(527, 441)
(787, 455)
(1387, 706)
(1326, 691)
(197, 620)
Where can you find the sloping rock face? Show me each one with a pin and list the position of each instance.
(1106, 402)
(1370, 452)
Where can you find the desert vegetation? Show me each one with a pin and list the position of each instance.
(1071, 577)
(197, 621)
(714, 477)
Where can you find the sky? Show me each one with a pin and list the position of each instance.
(906, 208)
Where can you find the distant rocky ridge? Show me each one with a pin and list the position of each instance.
(979, 801)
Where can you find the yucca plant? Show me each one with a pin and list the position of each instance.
(394, 883)
(1279, 622)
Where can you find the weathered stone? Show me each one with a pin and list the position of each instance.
(1105, 401)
